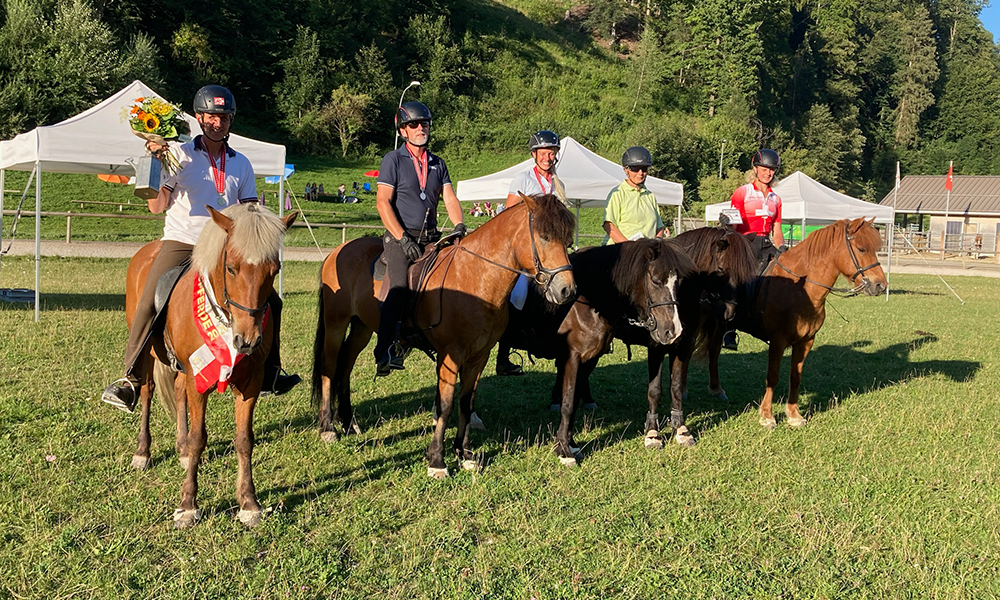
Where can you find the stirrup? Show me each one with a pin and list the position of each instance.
(510, 368)
(110, 398)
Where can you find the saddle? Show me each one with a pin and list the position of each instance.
(164, 287)
(417, 273)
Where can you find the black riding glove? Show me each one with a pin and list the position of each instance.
(410, 247)
(782, 249)
(460, 230)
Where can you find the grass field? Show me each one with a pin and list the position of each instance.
(891, 491)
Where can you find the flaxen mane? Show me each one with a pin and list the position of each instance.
(256, 237)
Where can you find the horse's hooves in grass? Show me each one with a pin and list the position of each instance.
(469, 465)
(590, 406)
(437, 473)
(476, 423)
(141, 463)
(685, 440)
(329, 436)
(652, 441)
(568, 461)
(719, 394)
(769, 423)
(185, 462)
(184, 519)
(796, 422)
(250, 518)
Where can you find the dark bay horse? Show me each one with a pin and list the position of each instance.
(461, 310)
(633, 285)
(233, 265)
(787, 305)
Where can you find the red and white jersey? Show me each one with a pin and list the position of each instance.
(759, 212)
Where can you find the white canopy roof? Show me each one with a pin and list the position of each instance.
(588, 178)
(805, 198)
(99, 141)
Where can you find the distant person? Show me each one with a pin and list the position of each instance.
(539, 179)
(314, 192)
(342, 193)
(411, 183)
(476, 210)
(213, 175)
(760, 212)
(321, 191)
(631, 212)
(306, 193)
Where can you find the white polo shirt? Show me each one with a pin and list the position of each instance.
(530, 183)
(192, 189)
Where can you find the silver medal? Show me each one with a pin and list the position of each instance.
(423, 196)
(222, 200)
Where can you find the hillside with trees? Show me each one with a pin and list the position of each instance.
(842, 88)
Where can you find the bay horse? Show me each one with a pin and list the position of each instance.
(234, 261)
(786, 306)
(460, 311)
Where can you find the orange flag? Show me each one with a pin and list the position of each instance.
(948, 182)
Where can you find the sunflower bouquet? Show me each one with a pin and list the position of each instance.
(155, 120)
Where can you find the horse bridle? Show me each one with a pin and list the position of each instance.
(542, 276)
(859, 270)
(649, 323)
(253, 312)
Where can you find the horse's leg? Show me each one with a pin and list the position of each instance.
(357, 340)
(774, 353)
(565, 448)
(584, 396)
(447, 377)
(799, 353)
(714, 349)
(654, 391)
(188, 514)
(181, 405)
(141, 460)
(679, 362)
(334, 339)
(472, 370)
(246, 493)
(555, 400)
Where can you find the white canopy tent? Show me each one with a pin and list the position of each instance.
(99, 141)
(588, 178)
(806, 200)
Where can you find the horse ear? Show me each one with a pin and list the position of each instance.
(855, 225)
(872, 222)
(290, 218)
(529, 201)
(721, 245)
(221, 220)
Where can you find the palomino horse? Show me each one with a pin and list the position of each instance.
(787, 305)
(237, 256)
(460, 310)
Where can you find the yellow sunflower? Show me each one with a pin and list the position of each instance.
(150, 122)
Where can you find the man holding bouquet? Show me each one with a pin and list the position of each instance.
(210, 173)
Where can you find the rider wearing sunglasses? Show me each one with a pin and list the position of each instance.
(631, 211)
(411, 181)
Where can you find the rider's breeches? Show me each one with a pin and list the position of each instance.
(171, 255)
(396, 298)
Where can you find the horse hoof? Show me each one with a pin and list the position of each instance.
(141, 463)
(476, 423)
(719, 394)
(185, 462)
(590, 406)
(329, 436)
(769, 423)
(568, 461)
(250, 518)
(796, 422)
(183, 519)
(437, 473)
(652, 440)
(684, 438)
(469, 465)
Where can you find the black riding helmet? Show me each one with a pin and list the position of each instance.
(765, 157)
(214, 99)
(412, 111)
(544, 139)
(637, 156)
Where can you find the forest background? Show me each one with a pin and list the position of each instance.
(843, 88)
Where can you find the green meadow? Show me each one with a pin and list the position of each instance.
(891, 491)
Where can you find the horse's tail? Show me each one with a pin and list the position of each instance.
(163, 378)
(319, 354)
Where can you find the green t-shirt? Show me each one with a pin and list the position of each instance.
(633, 211)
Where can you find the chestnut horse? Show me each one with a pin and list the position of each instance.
(237, 255)
(459, 312)
(787, 305)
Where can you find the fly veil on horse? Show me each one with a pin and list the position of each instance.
(460, 310)
(223, 297)
(786, 306)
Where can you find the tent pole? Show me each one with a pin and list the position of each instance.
(281, 212)
(2, 194)
(890, 231)
(38, 233)
(679, 229)
(577, 224)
